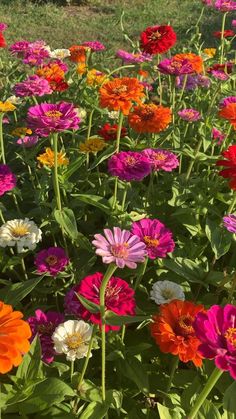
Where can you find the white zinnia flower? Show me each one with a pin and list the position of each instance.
(82, 113)
(113, 115)
(60, 53)
(165, 291)
(22, 233)
(72, 339)
(14, 100)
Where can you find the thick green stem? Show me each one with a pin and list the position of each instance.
(121, 117)
(55, 174)
(84, 369)
(110, 270)
(124, 196)
(1, 140)
(222, 38)
(212, 380)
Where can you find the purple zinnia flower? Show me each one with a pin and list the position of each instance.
(52, 260)
(129, 165)
(161, 159)
(133, 58)
(174, 67)
(227, 100)
(19, 48)
(94, 45)
(229, 222)
(217, 135)
(225, 5)
(7, 179)
(216, 329)
(120, 247)
(43, 325)
(28, 141)
(193, 81)
(155, 235)
(190, 115)
(47, 118)
(33, 86)
(3, 26)
(219, 75)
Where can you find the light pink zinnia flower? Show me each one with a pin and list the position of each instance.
(28, 141)
(120, 247)
(33, 86)
(161, 159)
(190, 115)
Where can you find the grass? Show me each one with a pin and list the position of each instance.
(99, 19)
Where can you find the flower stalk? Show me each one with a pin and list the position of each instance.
(1, 140)
(55, 173)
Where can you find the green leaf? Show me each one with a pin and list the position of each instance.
(16, 292)
(208, 411)
(96, 410)
(96, 201)
(186, 268)
(219, 238)
(114, 320)
(31, 367)
(134, 370)
(89, 305)
(66, 219)
(229, 400)
(104, 156)
(90, 392)
(74, 166)
(164, 412)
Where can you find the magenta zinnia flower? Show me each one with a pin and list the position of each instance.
(28, 141)
(190, 115)
(133, 58)
(94, 45)
(217, 135)
(119, 298)
(176, 68)
(216, 329)
(7, 179)
(43, 325)
(120, 247)
(129, 165)
(3, 26)
(155, 235)
(225, 5)
(229, 222)
(52, 260)
(227, 100)
(161, 159)
(219, 75)
(19, 48)
(33, 86)
(47, 118)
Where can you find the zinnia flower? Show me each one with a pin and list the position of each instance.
(225, 5)
(28, 141)
(217, 135)
(2, 41)
(19, 48)
(228, 33)
(109, 132)
(94, 45)
(7, 179)
(175, 67)
(36, 53)
(120, 93)
(190, 115)
(161, 159)
(195, 60)
(72, 339)
(32, 86)
(219, 75)
(43, 325)
(21, 131)
(226, 67)
(120, 247)
(129, 165)
(14, 338)
(210, 52)
(157, 238)
(227, 100)
(157, 39)
(230, 165)
(149, 118)
(22, 233)
(6, 107)
(59, 53)
(47, 118)
(78, 53)
(229, 113)
(128, 57)
(119, 298)
(192, 82)
(233, 23)
(52, 260)
(229, 222)
(95, 77)
(47, 158)
(92, 145)
(173, 330)
(216, 330)
(164, 292)
(3, 26)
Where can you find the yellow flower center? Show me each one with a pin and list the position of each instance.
(51, 260)
(230, 335)
(150, 242)
(120, 250)
(159, 156)
(167, 294)
(189, 114)
(156, 35)
(74, 341)
(53, 114)
(131, 160)
(185, 324)
(19, 231)
(119, 90)
(147, 114)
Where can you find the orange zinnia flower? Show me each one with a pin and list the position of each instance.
(149, 118)
(118, 94)
(173, 331)
(14, 338)
(229, 112)
(195, 60)
(78, 53)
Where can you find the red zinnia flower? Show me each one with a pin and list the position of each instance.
(109, 132)
(2, 41)
(157, 39)
(227, 68)
(230, 165)
(228, 33)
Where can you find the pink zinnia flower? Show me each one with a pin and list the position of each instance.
(233, 23)
(175, 67)
(19, 48)
(28, 141)
(155, 235)
(52, 260)
(229, 222)
(32, 86)
(225, 5)
(161, 159)
(3, 26)
(7, 179)
(43, 325)
(216, 329)
(36, 53)
(190, 115)
(133, 58)
(217, 135)
(220, 75)
(94, 45)
(193, 81)
(120, 247)
(129, 165)
(227, 100)
(119, 298)
(47, 118)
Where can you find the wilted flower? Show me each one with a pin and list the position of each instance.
(72, 339)
(24, 234)
(32, 86)
(47, 158)
(21, 131)
(228, 33)
(52, 260)
(129, 165)
(229, 222)
(120, 247)
(7, 179)
(165, 291)
(220, 75)
(14, 100)
(161, 159)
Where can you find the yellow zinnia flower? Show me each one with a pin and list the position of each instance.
(210, 52)
(6, 107)
(47, 158)
(92, 145)
(21, 131)
(95, 77)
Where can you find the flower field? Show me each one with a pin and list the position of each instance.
(118, 225)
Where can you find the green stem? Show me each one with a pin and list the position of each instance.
(1, 140)
(172, 372)
(72, 370)
(183, 87)
(121, 117)
(139, 277)
(222, 38)
(124, 196)
(231, 207)
(24, 268)
(212, 380)
(115, 193)
(90, 124)
(191, 164)
(109, 272)
(84, 369)
(55, 173)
